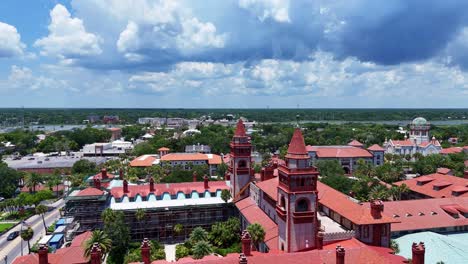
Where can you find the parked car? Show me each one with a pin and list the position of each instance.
(13, 235)
(2, 199)
(31, 158)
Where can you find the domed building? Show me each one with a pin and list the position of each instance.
(419, 140)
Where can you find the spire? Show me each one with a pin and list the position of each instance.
(240, 129)
(297, 145)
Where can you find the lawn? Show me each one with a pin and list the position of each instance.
(4, 227)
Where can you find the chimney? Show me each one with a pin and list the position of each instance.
(246, 243)
(377, 208)
(227, 176)
(95, 254)
(465, 174)
(151, 184)
(104, 173)
(120, 174)
(97, 184)
(205, 181)
(43, 254)
(194, 176)
(320, 240)
(145, 251)
(340, 255)
(262, 174)
(125, 186)
(418, 253)
(242, 259)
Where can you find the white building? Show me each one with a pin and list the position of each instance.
(419, 141)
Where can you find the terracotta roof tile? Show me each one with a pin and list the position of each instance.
(426, 185)
(375, 147)
(355, 143)
(240, 129)
(297, 145)
(143, 161)
(451, 150)
(339, 152)
(90, 191)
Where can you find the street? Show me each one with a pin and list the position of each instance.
(12, 249)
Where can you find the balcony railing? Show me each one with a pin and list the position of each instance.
(337, 236)
(302, 217)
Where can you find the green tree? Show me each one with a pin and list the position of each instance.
(84, 166)
(27, 235)
(329, 168)
(182, 251)
(118, 231)
(54, 180)
(140, 215)
(8, 180)
(257, 233)
(394, 246)
(198, 234)
(41, 210)
(222, 169)
(178, 228)
(201, 248)
(102, 239)
(32, 180)
(226, 195)
(225, 234)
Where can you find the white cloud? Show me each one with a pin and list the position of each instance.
(10, 41)
(68, 37)
(23, 78)
(277, 10)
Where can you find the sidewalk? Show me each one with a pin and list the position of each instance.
(170, 251)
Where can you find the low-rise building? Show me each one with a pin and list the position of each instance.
(198, 149)
(47, 165)
(114, 148)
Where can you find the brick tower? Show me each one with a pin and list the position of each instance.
(297, 199)
(240, 166)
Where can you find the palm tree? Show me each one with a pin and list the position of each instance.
(257, 233)
(201, 249)
(41, 210)
(99, 237)
(226, 195)
(198, 234)
(178, 228)
(27, 235)
(54, 180)
(32, 180)
(140, 216)
(108, 216)
(394, 245)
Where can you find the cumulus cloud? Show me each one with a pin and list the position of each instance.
(22, 78)
(68, 37)
(10, 41)
(277, 10)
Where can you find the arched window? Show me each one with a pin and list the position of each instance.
(302, 205)
(242, 164)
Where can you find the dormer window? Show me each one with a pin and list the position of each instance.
(408, 215)
(395, 216)
(433, 213)
(421, 214)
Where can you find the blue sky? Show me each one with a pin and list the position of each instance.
(234, 53)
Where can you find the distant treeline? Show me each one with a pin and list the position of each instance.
(10, 116)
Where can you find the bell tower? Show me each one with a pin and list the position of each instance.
(297, 199)
(240, 166)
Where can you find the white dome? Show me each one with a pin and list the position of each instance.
(419, 121)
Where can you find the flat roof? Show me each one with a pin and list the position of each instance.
(56, 238)
(53, 162)
(165, 203)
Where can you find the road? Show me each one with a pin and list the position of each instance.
(12, 249)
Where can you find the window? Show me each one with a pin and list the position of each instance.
(242, 164)
(366, 232)
(302, 205)
(282, 202)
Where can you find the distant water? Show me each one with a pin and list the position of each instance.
(52, 128)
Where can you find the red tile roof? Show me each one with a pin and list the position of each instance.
(375, 147)
(253, 214)
(443, 170)
(240, 129)
(297, 145)
(210, 158)
(341, 204)
(143, 161)
(69, 255)
(163, 149)
(451, 150)
(355, 253)
(334, 200)
(90, 191)
(171, 188)
(422, 215)
(427, 183)
(406, 142)
(99, 176)
(339, 152)
(355, 143)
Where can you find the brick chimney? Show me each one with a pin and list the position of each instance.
(246, 243)
(205, 181)
(95, 254)
(43, 254)
(145, 251)
(120, 174)
(465, 174)
(320, 240)
(194, 176)
(151, 184)
(377, 208)
(418, 253)
(104, 173)
(242, 259)
(125, 186)
(340, 255)
(227, 176)
(97, 183)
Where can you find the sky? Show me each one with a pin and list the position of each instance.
(234, 53)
